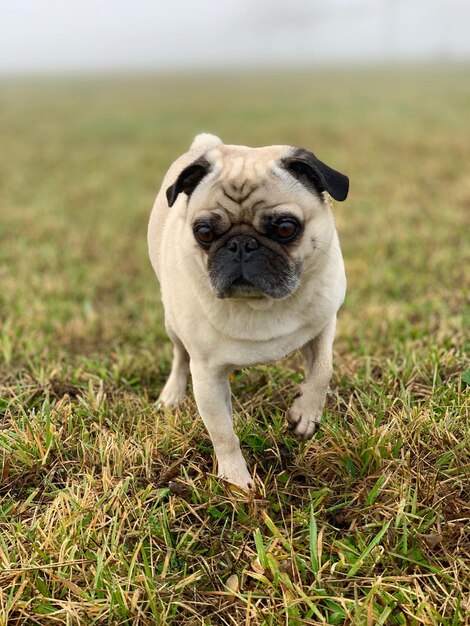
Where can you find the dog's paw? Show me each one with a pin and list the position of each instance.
(235, 472)
(302, 419)
(173, 393)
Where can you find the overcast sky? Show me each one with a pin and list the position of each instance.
(99, 35)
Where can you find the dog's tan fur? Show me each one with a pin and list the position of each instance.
(211, 335)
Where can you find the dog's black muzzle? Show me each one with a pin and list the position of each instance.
(243, 267)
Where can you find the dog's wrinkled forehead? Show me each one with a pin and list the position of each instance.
(243, 179)
(244, 175)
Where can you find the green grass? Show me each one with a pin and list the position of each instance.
(110, 512)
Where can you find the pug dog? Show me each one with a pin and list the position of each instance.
(244, 244)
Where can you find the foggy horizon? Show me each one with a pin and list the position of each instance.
(51, 37)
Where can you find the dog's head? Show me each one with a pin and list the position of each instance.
(258, 217)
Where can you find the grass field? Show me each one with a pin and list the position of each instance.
(110, 512)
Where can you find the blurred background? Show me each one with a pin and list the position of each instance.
(89, 36)
(97, 98)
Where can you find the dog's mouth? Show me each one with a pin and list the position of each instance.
(247, 283)
(242, 282)
(261, 274)
(241, 287)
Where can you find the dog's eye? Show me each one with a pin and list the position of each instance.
(285, 230)
(204, 234)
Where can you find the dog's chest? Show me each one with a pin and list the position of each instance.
(245, 337)
(246, 352)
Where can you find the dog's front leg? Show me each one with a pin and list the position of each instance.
(307, 408)
(211, 388)
(175, 387)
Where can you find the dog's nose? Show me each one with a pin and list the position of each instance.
(242, 246)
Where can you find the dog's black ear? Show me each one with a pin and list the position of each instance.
(188, 180)
(315, 174)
